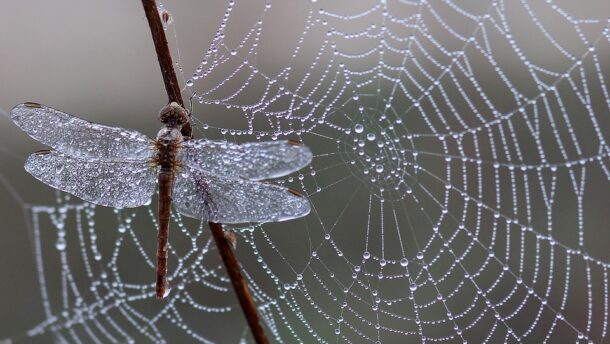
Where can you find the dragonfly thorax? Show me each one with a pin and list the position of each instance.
(169, 135)
(173, 115)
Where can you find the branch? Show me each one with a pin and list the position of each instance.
(239, 284)
(224, 248)
(165, 59)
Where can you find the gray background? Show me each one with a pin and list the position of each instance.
(96, 59)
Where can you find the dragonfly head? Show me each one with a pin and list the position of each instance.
(173, 115)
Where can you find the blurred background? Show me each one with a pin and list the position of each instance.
(314, 71)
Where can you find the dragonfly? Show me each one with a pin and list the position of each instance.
(214, 181)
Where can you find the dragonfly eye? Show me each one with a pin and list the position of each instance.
(173, 115)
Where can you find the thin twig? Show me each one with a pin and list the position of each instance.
(165, 59)
(239, 284)
(224, 248)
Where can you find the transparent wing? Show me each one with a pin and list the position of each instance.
(117, 184)
(77, 137)
(216, 199)
(254, 161)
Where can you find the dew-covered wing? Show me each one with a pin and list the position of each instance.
(216, 199)
(117, 184)
(77, 137)
(254, 160)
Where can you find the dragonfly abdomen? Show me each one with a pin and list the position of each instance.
(167, 146)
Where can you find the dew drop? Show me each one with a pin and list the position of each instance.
(60, 244)
(358, 128)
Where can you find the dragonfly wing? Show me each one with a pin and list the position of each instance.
(254, 161)
(117, 184)
(77, 137)
(216, 199)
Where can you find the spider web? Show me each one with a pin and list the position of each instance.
(460, 157)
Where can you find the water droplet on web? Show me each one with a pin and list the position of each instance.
(358, 128)
(379, 168)
(404, 262)
(370, 136)
(60, 244)
(413, 287)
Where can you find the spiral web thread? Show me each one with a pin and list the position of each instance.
(460, 157)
